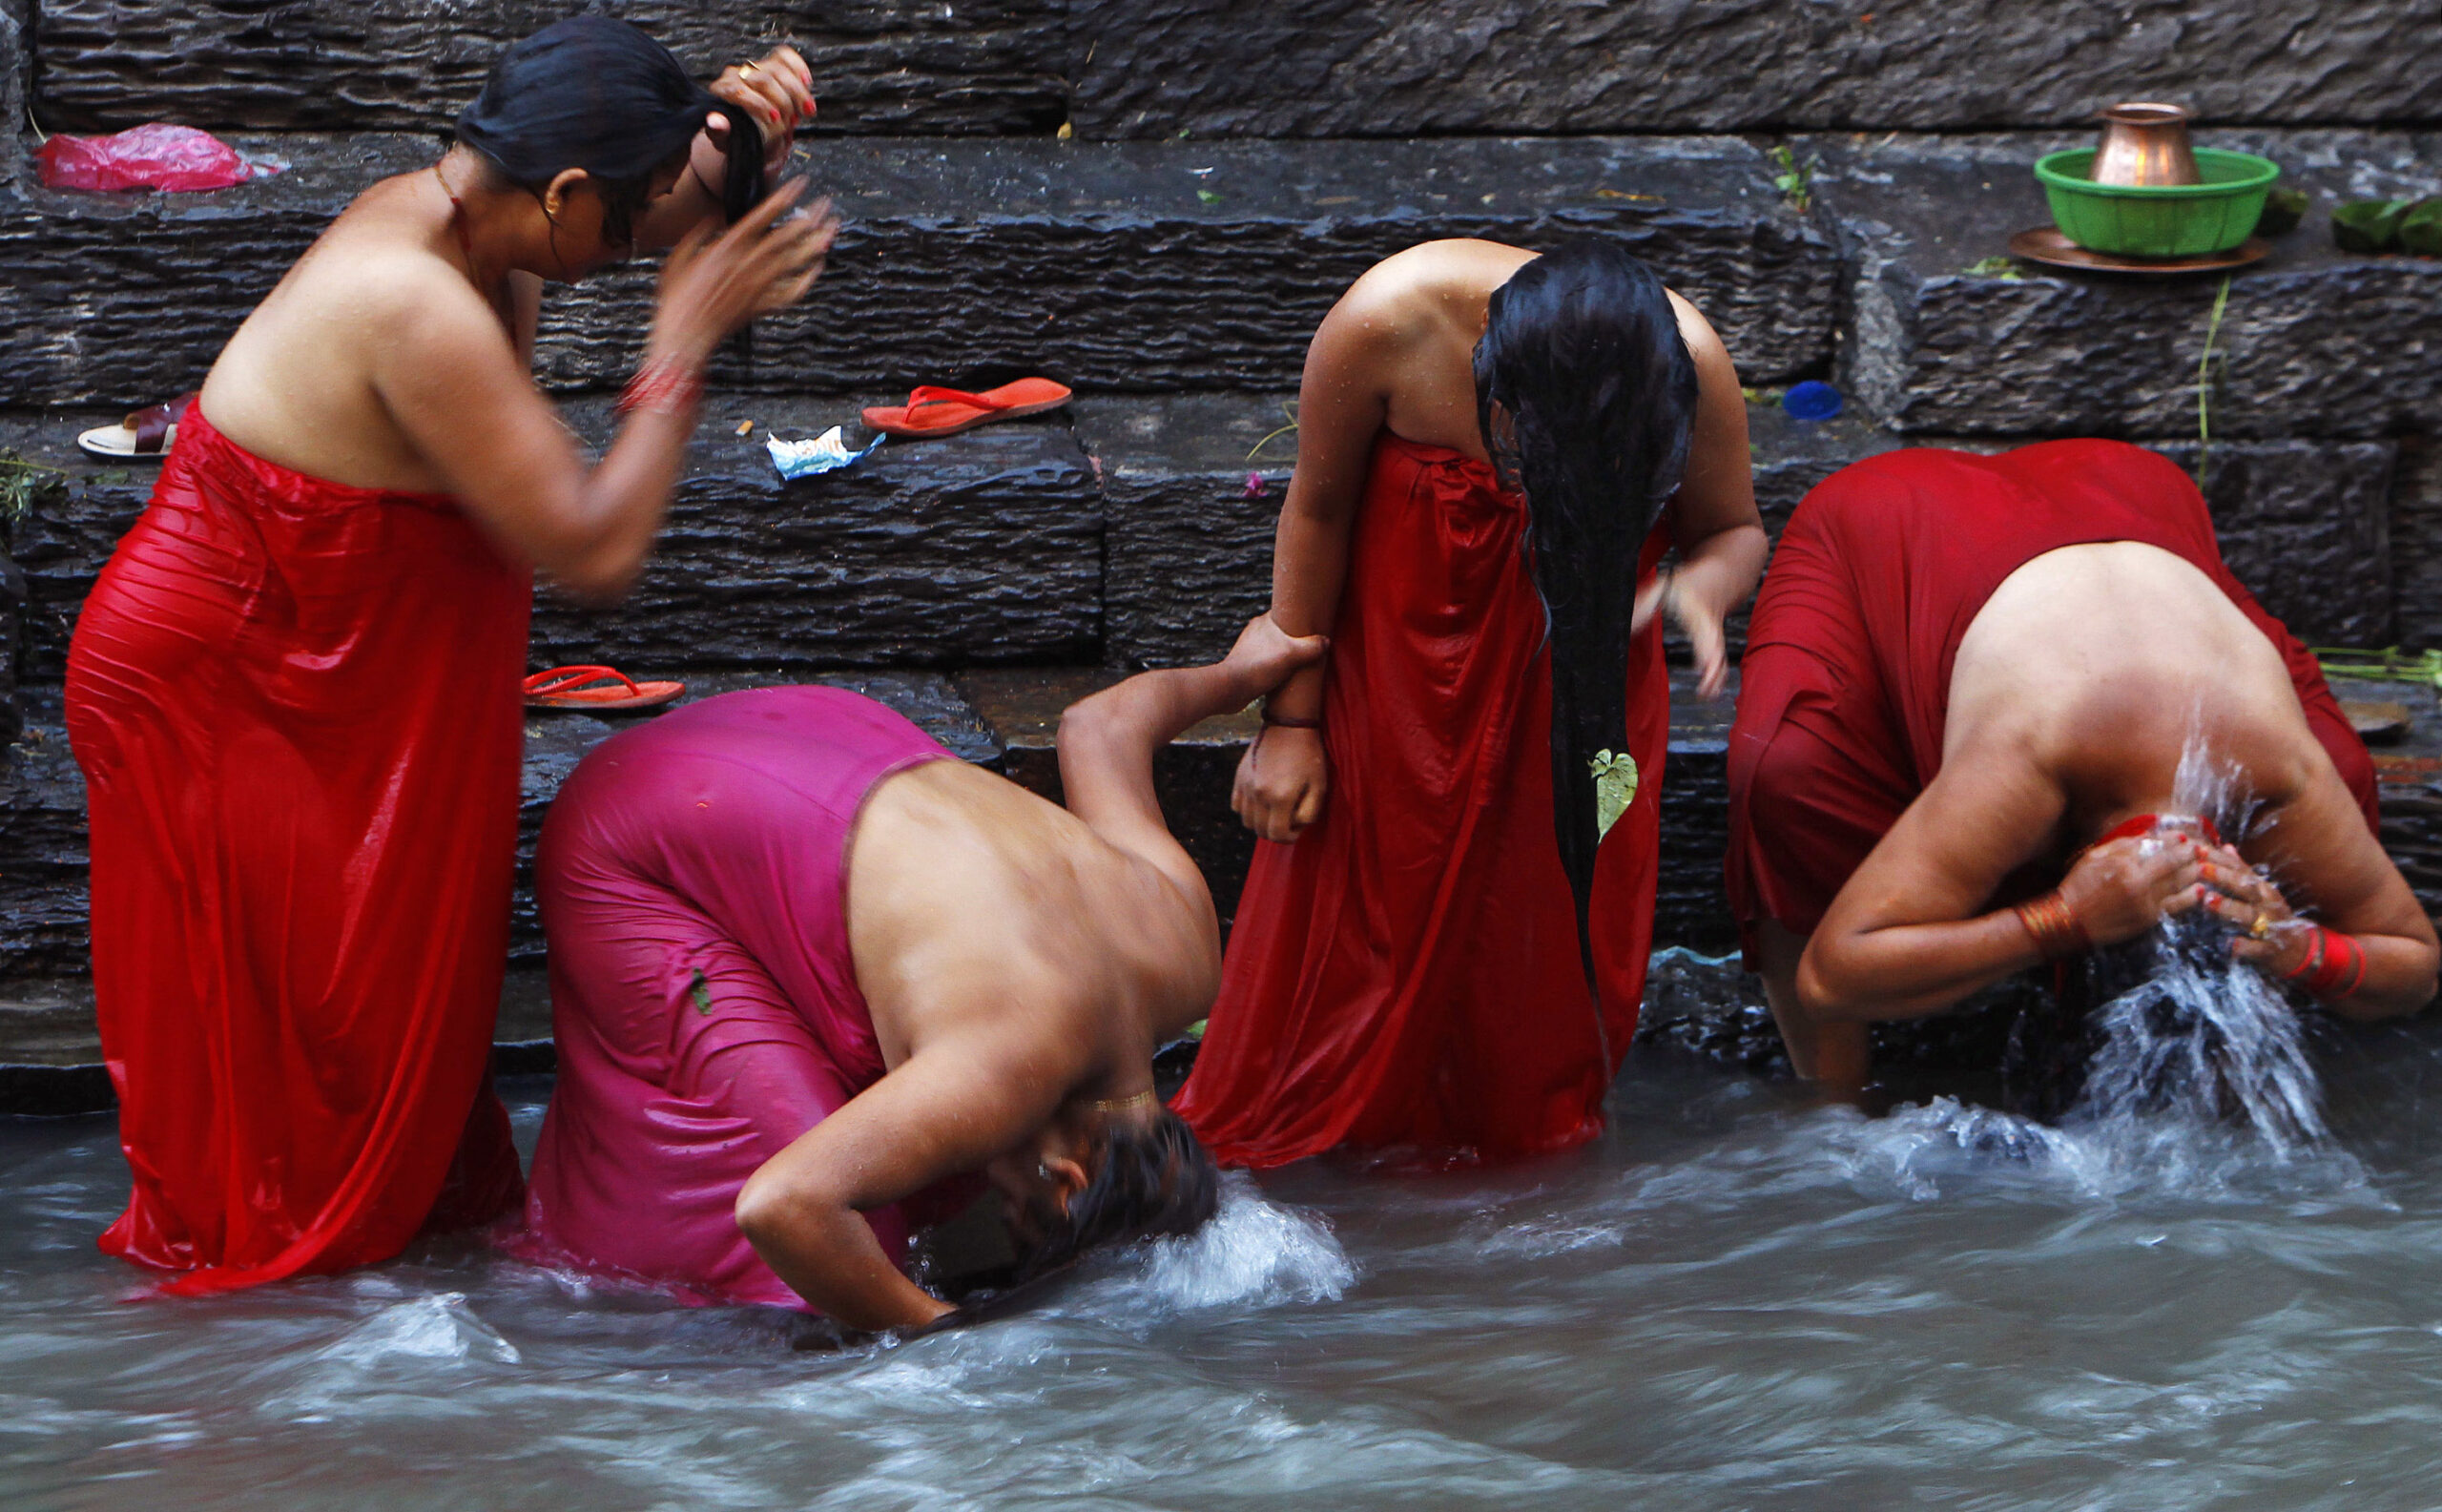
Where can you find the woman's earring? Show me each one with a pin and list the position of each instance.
(1042, 1170)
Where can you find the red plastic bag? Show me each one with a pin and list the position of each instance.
(155, 156)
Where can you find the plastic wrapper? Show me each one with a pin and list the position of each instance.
(155, 156)
(827, 452)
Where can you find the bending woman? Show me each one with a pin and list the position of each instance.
(294, 690)
(1443, 951)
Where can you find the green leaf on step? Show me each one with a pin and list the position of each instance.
(2283, 209)
(26, 487)
(2368, 225)
(2006, 269)
(2421, 229)
(1208, 196)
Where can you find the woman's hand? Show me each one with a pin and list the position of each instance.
(2272, 939)
(2122, 889)
(776, 89)
(1282, 781)
(1700, 620)
(1266, 655)
(715, 281)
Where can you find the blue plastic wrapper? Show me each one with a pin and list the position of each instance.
(1812, 400)
(827, 452)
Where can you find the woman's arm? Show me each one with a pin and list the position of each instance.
(777, 89)
(1907, 935)
(461, 397)
(1341, 404)
(950, 1108)
(1108, 742)
(2321, 852)
(1714, 525)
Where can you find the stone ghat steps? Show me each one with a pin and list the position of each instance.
(2314, 341)
(1132, 531)
(1203, 266)
(1005, 719)
(1144, 265)
(1287, 68)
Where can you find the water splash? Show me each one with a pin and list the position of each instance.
(2192, 1036)
(1253, 1254)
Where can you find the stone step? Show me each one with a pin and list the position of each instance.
(2305, 523)
(986, 547)
(989, 66)
(2314, 341)
(1132, 266)
(1127, 531)
(1282, 68)
(1005, 718)
(1287, 68)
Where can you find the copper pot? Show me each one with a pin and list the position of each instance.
(2145, 144)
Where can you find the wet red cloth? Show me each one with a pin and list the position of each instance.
(1846, 686)
(295, 706)
(1405, 976)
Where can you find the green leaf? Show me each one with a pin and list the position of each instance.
(1208, 196)
(2368, 225)
(701, 993)
(26, 487)
(2283, 209)
(2421, 229)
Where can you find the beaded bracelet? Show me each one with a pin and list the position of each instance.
(662, 386)
(2058, 933)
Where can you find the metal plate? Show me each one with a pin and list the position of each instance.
(2047, 245)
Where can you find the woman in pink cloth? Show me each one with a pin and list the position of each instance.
(806, 966)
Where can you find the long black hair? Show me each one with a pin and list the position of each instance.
(598, 93)
(1588, 395)
(1155, 1178)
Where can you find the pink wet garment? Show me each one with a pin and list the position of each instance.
(692, 879)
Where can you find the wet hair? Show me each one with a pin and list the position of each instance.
(599, 94)
(1583, 357)
(1155, 1178)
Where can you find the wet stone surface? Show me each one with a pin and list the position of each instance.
(1127, 266)
(1349, 68)
(982, 547)
(2314, 342)
(1201, 265)
(358, 65)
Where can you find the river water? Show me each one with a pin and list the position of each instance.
(1735, 1299)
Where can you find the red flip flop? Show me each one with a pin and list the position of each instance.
(567, 688)
(946, 411)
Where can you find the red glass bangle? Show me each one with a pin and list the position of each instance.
(2058, 933)
(662, 386)
(2334, 967)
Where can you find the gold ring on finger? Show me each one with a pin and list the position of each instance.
(2262, 928)
(744, 70)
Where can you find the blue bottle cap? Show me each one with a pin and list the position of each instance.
(1812, 400)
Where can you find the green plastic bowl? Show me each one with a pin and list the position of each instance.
(2158, 220)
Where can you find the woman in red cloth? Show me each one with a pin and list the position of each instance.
(1964, 668)
(294, 690)
(1440, 954)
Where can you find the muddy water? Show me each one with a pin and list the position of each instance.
(1734, 1300)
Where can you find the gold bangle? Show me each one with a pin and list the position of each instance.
(1122, 1105)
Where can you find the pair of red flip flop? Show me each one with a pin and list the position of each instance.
(597, 690)
(931, 411)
